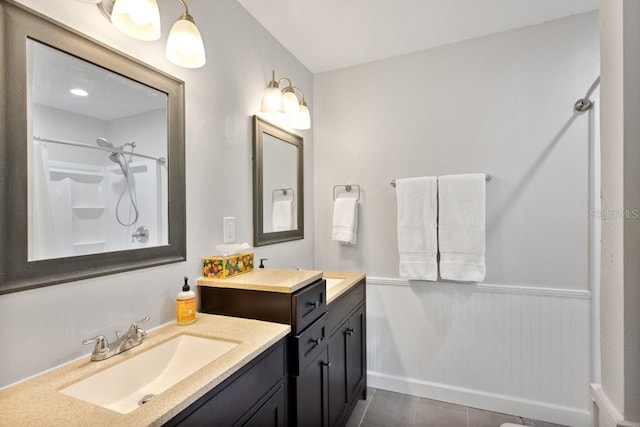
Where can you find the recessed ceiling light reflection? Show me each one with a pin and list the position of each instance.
(79, 92)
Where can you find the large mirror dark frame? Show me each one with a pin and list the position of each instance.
(17, 24)
(262, 129)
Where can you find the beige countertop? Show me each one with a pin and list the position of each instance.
(335, 288)
(37, 401)
(265, 279)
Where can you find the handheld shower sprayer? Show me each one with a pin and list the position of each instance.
(119, 158)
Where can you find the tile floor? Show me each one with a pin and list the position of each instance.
(388, 409)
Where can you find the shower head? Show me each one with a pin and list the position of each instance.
(115, 157)
(104, 143)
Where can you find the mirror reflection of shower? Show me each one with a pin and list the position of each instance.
(119, 158)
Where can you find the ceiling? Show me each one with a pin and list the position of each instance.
(330, 34)
(110, 96)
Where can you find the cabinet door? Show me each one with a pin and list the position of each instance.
(356, 351)
(272, 413)
(312, 393)
(338, 373)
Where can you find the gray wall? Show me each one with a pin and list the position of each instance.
(500, 104)
(42, 328)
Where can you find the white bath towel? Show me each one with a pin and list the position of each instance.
(345, 220)
(461, 229)
(417, 227)
(282, 215)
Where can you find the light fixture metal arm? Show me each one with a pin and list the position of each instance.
(186, 9)
(299, 90)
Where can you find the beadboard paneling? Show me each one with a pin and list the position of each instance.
(512, 349)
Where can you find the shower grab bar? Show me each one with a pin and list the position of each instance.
(160, 160)
(487, 177)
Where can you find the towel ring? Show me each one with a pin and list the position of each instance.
(284, 191)
(347, 188)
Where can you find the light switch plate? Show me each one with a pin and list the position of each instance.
(229, 229)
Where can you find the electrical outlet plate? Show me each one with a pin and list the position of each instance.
(229, 229)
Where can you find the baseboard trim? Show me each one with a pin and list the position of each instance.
(478, 399)
(607, 410)
(486, 287)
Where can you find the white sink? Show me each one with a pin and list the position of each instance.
(128, 385)
(332, 281)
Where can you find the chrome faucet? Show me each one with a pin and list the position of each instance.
(132, 338)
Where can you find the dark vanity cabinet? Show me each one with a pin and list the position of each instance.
(306, 311)
(253, 396)
(347, 353)
(326, 348)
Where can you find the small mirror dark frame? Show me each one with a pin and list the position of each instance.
(260, 238)
(17, 24)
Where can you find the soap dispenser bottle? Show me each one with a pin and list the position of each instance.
(186, 305)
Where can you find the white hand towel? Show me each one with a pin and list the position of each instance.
(345, 220)
(282, 215)
(462, 227)
(417, 227)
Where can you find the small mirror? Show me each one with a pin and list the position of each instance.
(278, 208)
(93, 157)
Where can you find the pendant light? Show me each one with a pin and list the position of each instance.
(272, 98)
(139, 19)
(184, 45)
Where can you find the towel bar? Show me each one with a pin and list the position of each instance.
(488, 177)
(348, 188)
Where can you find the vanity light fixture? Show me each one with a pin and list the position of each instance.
(286, 101)
(140, 19)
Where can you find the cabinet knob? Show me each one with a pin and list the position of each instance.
(317, 340)
(314, 304)
(349, 331)
(327, 364)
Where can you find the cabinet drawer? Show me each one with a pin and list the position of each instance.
(308, 304)
(341, 307)
(309, 344)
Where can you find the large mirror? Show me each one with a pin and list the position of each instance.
(278, 207)
(94, 160)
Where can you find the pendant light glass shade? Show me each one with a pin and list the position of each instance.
(272, 100)
(302, 119)
(184, 45)
(290, 104)
(139, 19)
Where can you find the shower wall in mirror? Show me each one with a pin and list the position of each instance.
(97, 169)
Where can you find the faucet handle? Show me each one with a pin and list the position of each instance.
(137, 322)
(102, 345)
(140, 333)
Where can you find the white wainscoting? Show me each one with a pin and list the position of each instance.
(518, 350)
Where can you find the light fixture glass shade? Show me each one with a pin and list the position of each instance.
(272, 100)
(139, 19)
(302, 120)
(184, 45)
(290, 104)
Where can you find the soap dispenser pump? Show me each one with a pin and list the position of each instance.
(186, 305)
